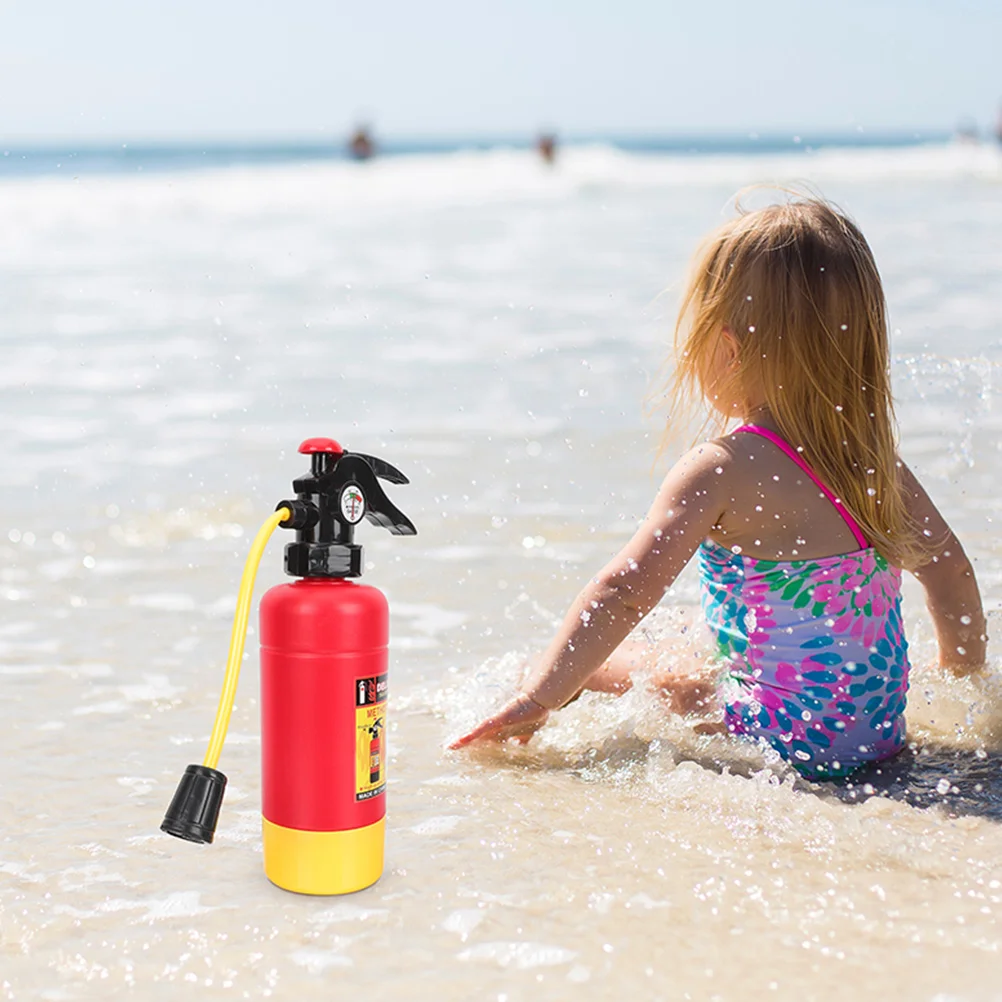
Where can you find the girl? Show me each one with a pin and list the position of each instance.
(801, 517)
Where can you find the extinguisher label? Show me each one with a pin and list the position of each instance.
(370, 736)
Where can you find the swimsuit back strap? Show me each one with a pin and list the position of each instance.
(785, 447)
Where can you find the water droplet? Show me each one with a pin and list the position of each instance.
(966, 620)
(943, 787)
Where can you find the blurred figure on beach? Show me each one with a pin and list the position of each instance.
(998, 125)
(546, 146)
(966, 131)
(361, 145)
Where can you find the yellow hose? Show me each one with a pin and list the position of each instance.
(238, 636)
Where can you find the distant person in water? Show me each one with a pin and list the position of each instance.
(967, 131)
(546, 146)
(361, 145)
(802, 518)
(998, 126)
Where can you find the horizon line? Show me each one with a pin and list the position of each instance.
(325, 140)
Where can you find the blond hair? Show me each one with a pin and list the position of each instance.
(797, 287)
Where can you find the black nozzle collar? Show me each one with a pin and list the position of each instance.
(194, 811)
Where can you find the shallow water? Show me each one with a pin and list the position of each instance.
(490, 327)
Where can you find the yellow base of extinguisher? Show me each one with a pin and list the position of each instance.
(323, 862)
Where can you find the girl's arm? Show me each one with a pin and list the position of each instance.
(951, 590)
(689, 504)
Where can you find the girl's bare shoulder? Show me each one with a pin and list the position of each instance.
(739, 456)
(712, 458)
(713, 471)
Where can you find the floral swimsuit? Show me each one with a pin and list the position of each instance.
(815, 649)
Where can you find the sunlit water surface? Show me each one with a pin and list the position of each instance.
(490, 327)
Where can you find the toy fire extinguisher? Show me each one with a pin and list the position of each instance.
(323, 686)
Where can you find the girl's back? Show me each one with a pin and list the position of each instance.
(778, 512)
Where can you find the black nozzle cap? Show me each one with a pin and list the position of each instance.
(304, 515)
(194, 811)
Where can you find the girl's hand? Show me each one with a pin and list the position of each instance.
(520, 718)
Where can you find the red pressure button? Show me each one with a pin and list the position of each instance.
(325, 445)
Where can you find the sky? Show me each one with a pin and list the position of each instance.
(308, 69)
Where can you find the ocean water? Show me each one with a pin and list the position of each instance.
(491, 327)
(136, 158)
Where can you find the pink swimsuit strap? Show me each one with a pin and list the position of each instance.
(785, 446)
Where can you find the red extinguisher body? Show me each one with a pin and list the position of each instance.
(323, 699)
